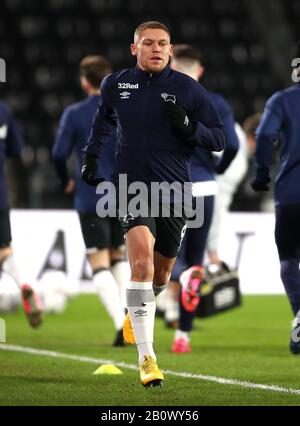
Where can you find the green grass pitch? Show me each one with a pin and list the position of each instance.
(249, 343)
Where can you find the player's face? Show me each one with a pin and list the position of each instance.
(152, 49)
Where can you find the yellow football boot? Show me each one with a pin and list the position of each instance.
(150, 373)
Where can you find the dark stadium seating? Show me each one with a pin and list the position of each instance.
(292, 12)
(42, 43)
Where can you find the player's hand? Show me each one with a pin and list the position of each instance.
(219, 169)
(89, 170)
(177, 117)
(259, 186)
(70, 186)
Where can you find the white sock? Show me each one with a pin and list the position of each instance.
(121, 273)
(141, 309)
(108, 292)
(160, 294)
(9, 266)
(182, 334)
(160, 302)
(171, 307)
(145, 349)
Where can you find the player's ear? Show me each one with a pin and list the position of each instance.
(133, 49)
(171, 49)
(200, 72)
(84, 83)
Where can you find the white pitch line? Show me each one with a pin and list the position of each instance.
(220, 380)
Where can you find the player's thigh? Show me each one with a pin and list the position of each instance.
(140, 233)
(170, 233)
(140, 242)
(117, 248)
(287, 230)
(117, 243)
(95, 232)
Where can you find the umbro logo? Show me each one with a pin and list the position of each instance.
(140, 313)
(125, 95)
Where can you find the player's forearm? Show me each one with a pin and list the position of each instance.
(61, 170)
(227, 157)
(231, 148)
(266, 136)
(263, 157)
(211, 138)
(102, 129)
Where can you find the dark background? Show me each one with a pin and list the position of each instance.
(247, 47)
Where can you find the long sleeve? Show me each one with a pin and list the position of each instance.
(266, 136)
(15, 140)
(209, 131)
(232, 145)
(104, 123)
(63, 146)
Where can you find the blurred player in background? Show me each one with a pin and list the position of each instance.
(11, 144)
(281, 120)
(244, 198)
(161, 116)
(103, 237)
(188, 269)
(227, 185)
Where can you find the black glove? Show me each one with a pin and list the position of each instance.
(220, 169)
(89, 169)
(259, 186)
(177, 117)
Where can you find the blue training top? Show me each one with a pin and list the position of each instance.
(73, 132)
(148, 149)
(203, 164)
(11, 143)
(281, 120)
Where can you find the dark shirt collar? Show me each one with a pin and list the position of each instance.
(146, 75)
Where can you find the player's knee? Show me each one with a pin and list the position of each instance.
(142, 269)
(5, 252)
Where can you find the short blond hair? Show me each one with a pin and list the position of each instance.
(155, 25)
